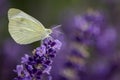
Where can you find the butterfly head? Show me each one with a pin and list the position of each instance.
(48, 31)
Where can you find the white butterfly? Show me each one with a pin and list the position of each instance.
(25, 29)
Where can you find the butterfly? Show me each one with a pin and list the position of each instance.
(25, 29)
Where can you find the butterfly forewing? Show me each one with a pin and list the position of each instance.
(23, 28)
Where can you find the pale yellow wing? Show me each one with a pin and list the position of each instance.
(25, 29)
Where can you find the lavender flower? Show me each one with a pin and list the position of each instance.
(33, 67)
(89, 34)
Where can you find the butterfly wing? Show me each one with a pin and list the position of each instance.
(25, 29)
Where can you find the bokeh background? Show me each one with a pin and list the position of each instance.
(94, 64)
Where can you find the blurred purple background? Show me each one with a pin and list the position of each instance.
(89, 34)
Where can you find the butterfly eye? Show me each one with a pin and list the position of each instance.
(49, 31)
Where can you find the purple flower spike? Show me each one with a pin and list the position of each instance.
(25, 59)
(90, 50)
(33, 67)
(47, 70)
(19, 69)
(41, 50)
(58, 45)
